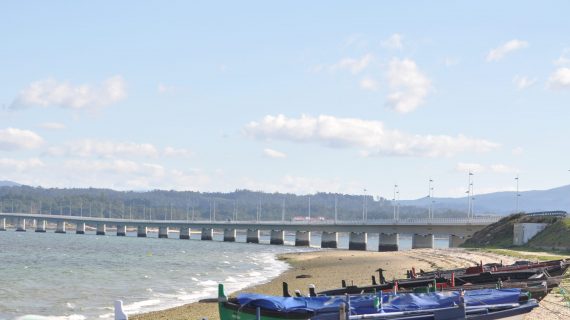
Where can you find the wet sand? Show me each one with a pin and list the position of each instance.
(326, 268)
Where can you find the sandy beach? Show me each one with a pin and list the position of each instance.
(326, 268)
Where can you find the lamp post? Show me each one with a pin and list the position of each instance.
(364, 206)
(335, 208)
(430, 189)
(394, 200)
(309, 208)
(517, 195)
(469, 195)
(283, 210)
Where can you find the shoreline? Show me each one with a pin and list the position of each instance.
(326, 268)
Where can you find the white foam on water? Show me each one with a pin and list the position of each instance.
(37, 317)
(271, 268)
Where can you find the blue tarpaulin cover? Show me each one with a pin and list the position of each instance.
(364, 304)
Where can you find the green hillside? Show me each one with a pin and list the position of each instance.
(554, 237)
(500, 234)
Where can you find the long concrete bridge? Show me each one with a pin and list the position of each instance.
(422, 230)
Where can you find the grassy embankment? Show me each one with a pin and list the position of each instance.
(499, 236)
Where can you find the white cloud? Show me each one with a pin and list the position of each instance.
(501, 168)
(517, 151)
(370, 84)
(372, 137)
(303, 185)
(560, 79)
(129, 175)
(479, 168)
(353, 65)
(104, 149)
(563, 60)
(394, 42)
(450, 62)
(51, 92)
(14, 139)
(52, 126)
(20, 165)
(177, 152)
(408, 85)
(498, 53)
(523, 82)
(270, 153)
(164, 89)
(470, 167)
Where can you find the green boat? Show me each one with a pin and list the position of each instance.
(231, 310)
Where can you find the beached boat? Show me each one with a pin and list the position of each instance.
(553, 267)
(476, 304)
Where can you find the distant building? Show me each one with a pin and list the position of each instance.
(523, 232)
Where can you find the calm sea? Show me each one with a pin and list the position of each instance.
(68, 276)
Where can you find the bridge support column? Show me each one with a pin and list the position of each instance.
(2, 224)
(252, 236)
(80, 228)
(41, 226)
(21, 225)
(420, 241)
(229, 235)
(302, 238)
(121, 230)
(101, 229)
(184, 233)
(60, 227)
(329, 240)
(455, 241)
(141, 231)
(276, 237)
(207, 234)
(388, 242)
(357, 241)
(163, 232)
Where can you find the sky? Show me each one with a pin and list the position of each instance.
(292, 96)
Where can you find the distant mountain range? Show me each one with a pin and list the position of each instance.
(4, 183)
(504, 202)
(501, 203)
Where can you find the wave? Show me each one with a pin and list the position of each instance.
(38, 317)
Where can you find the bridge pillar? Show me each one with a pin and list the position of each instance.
(101, 229)
(163, 232)
(420, 241)
(60, 227)
(184, 233)
(207, 234)
(303, 238)
(121, 230)
(229, 235)
(455, 241)
(357, 241)
(80, 228)
(2, 224)
(329, 240)
(276, 237)
(21, 225)
(388, 242)
(252, 236)
(141, 231)
(41, 226)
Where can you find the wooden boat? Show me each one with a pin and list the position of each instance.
(476, 304)
(554, 267)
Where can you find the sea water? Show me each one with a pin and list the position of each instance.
(75, 277)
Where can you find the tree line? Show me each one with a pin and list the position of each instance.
(194, 205)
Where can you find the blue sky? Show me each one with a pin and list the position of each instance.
(290, 97)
